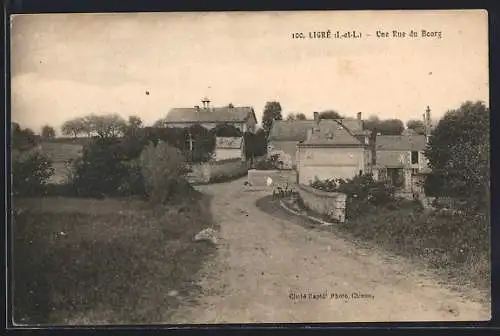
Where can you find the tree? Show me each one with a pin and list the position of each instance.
(416, 125)
(163, 167)
(48, 132)
(23, 139)
(73, 127)
(259, 144)
(458, 154)
(134, 138)
(230, 105)
(107, 126)
(226, 130)
(384, 127)
(391, 127)
(159, 123)
(329, 114)
(200, 143)
(296, 116)
(272, 111)
(135, 122)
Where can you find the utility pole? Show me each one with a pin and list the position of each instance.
(427, 126)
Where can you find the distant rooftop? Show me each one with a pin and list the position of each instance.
(296, 130)
(209, 115)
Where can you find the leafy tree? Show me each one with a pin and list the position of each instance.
(23, 139)
(101, 169)
(296, 116)
(159, 123)
(203, 144)
(272, 111)
(329, 114)
(230, 105)
(135, 122)
(48, 132)
(260, 143)
(108, 126)
(226, 130)
(391, 127)
(163, 167)
(30, 171)
(384, 127)
(87, 124)
(105, 126)
(458, 154)
(73, 127)
(416, 125)
(134, 138)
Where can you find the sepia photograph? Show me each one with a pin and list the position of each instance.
(176, 168)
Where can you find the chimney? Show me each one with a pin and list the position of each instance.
(206, 103)
(316, 117)
(358, 115)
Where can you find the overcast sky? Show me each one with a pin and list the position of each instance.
(68, 65)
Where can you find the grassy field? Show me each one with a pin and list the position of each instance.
(83, 261)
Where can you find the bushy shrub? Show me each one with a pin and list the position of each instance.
(30, 172)
(133, 184)
(163, 169)
(101, 170)
(269, 163)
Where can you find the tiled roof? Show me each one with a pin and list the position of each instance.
(290, 130)
(296, 130)
(217, 114)
(400, 142)
(332, 132)
(227, 142)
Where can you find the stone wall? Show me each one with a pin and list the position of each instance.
(258, 178)
(330, 204)
(217, 170)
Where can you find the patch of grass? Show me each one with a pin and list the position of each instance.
(455, 245)
(104, 261)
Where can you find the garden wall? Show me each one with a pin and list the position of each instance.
(258, 178)
(330, 204)
(217, 170)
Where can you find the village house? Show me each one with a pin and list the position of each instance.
(285, 135)
(401, 162)
(337, 148)
(284, 138)
(229, 148)
(243, 118)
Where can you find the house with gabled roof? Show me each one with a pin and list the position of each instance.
(400, 159)
(285, 135)
(401, 162)
(334, 149)
(242, 117)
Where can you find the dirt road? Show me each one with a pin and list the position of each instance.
(267, 266)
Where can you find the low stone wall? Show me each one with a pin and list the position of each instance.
(280, 178)
(330, 204)
(218, 170)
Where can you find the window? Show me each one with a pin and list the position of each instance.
(414, 157)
